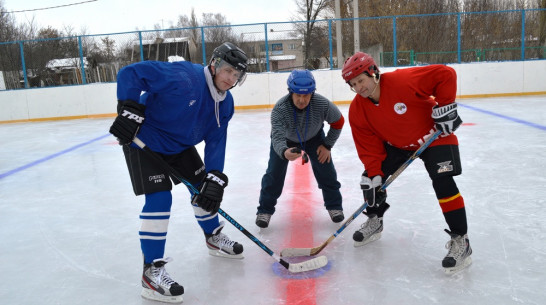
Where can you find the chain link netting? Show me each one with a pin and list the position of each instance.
(282, 46)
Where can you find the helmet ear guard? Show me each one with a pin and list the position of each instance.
(301, 82)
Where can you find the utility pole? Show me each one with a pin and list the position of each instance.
(356, 26)
(339, 39)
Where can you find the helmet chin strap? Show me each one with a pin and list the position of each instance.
(213, 75)
(216, 94)
(376, 81)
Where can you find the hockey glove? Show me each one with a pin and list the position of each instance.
(127, 123)
(446, 118)
(371, 189)
(212, 191)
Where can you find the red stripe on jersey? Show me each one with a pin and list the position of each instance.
(338, 124)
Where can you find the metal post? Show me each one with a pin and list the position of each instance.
(203, 46)
(339, 39)
(141, 46)
(82, 63)
(266, 49)
(522, 34)
(459, 37)
(394, 55)
(356, 26)
(24, 65)
(330, 44)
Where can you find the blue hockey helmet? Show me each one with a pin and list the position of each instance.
(301, 82)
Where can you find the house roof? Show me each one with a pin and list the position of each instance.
(61, 63)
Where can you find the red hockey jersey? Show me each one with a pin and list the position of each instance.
(403, 116)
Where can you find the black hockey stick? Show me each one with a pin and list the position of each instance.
(316, 250)
(308, 265)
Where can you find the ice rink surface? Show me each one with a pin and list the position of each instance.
(69, 220)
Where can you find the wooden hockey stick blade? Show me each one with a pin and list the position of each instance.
(316, 250)
(289, 252)
(312, 264)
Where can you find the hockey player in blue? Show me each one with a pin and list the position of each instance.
(172, 107)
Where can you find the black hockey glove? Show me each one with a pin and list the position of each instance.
(127, 123)
(446, 118)
(371, 189)
(212, 191)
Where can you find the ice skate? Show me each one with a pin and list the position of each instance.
(458, 255)
(369, 231)
(262, 220)
(336, 215)
(157, 284)
(220, 245)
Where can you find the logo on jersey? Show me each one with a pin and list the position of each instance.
(400, 108)
(445, 167)
(192, 102)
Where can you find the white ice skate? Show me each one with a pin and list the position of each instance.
(458, 255)
(157, 284)
(220, 245)
(369, 231)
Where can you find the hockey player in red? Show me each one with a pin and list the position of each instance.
(391, 115)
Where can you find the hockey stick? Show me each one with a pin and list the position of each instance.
(308, 265)
(316, 250)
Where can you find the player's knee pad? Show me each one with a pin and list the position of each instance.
(442, 160)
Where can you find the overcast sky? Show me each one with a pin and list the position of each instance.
(114, 16)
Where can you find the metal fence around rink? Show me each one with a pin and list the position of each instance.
(406, 40)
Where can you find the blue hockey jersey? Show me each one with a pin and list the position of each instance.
(179, 108)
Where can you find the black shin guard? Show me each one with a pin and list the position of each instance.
(377, 210)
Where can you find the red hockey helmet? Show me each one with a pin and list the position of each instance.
(357, 64)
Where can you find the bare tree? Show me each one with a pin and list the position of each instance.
(8, 28)
(8, 32)
(192, 31)
(217, 31)
(491, 36)
(310, 10)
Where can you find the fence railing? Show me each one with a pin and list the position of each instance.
(513, 35)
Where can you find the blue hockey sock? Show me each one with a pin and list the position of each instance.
(154, 225)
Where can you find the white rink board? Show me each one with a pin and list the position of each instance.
(263, 90)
